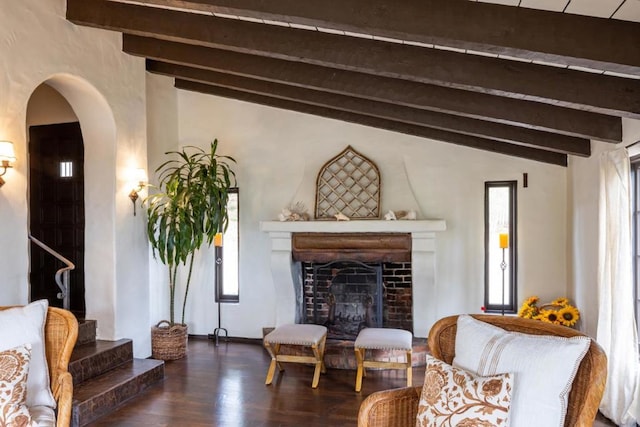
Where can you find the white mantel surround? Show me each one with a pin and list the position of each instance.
(286, 272)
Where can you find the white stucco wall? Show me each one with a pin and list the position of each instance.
(279, 154)
(162, 131)
(106, 90)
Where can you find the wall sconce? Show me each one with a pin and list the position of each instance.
(139, 178)
(7, 157)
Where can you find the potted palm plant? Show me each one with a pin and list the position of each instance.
(187, 211)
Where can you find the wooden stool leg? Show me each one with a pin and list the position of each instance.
(277, 352)
(409, 369)
(322, 347)
(360, 352)
(318, 368)
(272, 365)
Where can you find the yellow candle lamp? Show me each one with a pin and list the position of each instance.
(217, 240)
(504, 240)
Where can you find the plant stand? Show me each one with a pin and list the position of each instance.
(218, 276)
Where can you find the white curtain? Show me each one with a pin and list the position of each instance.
(617, 332)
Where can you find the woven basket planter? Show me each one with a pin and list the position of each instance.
(168, 342)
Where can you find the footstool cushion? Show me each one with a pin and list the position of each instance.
(296, 334)
(382, 339)
(313, 336)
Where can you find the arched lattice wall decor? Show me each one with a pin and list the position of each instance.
(348, 184)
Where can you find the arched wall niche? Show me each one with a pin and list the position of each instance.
(99, 135)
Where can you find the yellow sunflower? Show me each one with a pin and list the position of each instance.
(531, 300)
(527, 311)
(560, 301)
(549, 316)
(568, 315)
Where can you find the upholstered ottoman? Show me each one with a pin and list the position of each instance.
(382, 339)
(312, 336)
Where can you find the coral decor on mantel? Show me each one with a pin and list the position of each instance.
(298, 212)
(400, 215)
(294, 212)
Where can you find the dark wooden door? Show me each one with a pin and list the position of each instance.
(56, 214)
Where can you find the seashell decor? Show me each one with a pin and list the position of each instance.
(295, 212)
(401, 215)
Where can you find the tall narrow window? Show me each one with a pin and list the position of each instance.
(635, 229)
(500, 243)
(228, 290)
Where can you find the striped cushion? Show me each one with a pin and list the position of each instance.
(543, 367)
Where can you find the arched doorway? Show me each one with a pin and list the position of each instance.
(91, 110)
(56, 197)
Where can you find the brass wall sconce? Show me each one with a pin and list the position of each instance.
(139, 176)
(7, 157)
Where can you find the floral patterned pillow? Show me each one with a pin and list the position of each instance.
(14, 367)
(454, 397)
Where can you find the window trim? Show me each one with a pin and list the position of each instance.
(219, 296)
(510, 305)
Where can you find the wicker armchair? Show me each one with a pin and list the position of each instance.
(399, 407)
(60, 334)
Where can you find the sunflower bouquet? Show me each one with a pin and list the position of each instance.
(558, 311)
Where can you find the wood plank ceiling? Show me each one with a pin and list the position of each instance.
(535, 84)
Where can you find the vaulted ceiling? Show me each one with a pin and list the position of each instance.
(531, 83)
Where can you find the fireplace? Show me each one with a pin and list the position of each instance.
(344, 296)
(406, 247)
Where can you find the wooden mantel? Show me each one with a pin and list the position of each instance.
(363, 247)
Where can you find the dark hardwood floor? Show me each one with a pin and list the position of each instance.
(224, 386)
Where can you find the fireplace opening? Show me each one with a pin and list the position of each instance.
(347, 296)
(344, 296)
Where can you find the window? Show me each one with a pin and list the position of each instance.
(66, 169)
(635, 228)
(500, 244)
(228, 290)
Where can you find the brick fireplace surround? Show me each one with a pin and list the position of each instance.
(286, 270)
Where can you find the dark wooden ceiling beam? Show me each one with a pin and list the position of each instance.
(528, 33)
(505, 133)
(434, 134)
(568, 88)
(526, 114)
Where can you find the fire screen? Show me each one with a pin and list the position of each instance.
(345, 296)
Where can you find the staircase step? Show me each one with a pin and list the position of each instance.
(93, 359)
(104, 393)
(86, 332)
